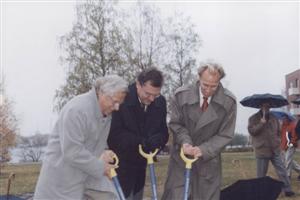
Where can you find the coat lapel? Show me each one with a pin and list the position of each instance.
(195, 114)
(132, 104)
(192, 100)
(209, 116)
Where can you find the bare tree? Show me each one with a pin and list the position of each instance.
(93, 48)
(8, 127)
(108, 39)
(183, 43)
(32, 148)
(148, 39)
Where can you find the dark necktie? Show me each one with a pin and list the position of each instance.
(204, 104)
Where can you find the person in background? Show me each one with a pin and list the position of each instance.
(289, 144)
(264, 129)
(202, 120)
(76, 155)
(140, 120)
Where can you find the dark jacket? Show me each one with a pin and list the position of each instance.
(130, 127)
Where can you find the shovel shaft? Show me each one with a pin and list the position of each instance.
(153, 181)
(188, 167)
(118, 188)
(149, 157)
(187, 183)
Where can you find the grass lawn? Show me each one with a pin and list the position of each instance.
(235, 166)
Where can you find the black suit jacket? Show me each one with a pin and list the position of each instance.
(130, 127)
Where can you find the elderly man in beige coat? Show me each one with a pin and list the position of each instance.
(76, 163)
(202, 121)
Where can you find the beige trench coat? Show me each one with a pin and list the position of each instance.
(211, 131)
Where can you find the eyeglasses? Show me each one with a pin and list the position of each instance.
(148, 94)
(116, 104)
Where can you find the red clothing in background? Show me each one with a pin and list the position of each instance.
(290, 128)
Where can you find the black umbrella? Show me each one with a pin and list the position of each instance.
(256, 100)
(297, 101)
(264, 188)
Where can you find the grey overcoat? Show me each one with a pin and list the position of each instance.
(71, 161)
(211, 131)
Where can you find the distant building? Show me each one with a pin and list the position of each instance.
(292, 84)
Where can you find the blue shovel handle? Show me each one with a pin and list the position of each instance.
(149, 157)
(153, 181)
(188, 167)
(113, 175)
(118, 188)
(187, 183)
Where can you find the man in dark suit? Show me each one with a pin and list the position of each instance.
(141, 119)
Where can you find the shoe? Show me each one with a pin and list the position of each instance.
(289, 194)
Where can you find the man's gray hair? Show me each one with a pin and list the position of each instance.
(213, 68)
(110, 85)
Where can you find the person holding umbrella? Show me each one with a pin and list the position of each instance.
(264, 129)
(202, 120)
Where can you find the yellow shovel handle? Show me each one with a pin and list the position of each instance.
(113, 172)
(188, 161)
(148, 156)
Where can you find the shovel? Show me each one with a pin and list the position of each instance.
(113, 175)
(188, 167)
(149, 158)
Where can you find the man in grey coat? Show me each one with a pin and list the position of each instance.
(76, 164)
(265, 132)
(202, 121)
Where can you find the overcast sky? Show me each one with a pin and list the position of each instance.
(256, 42)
